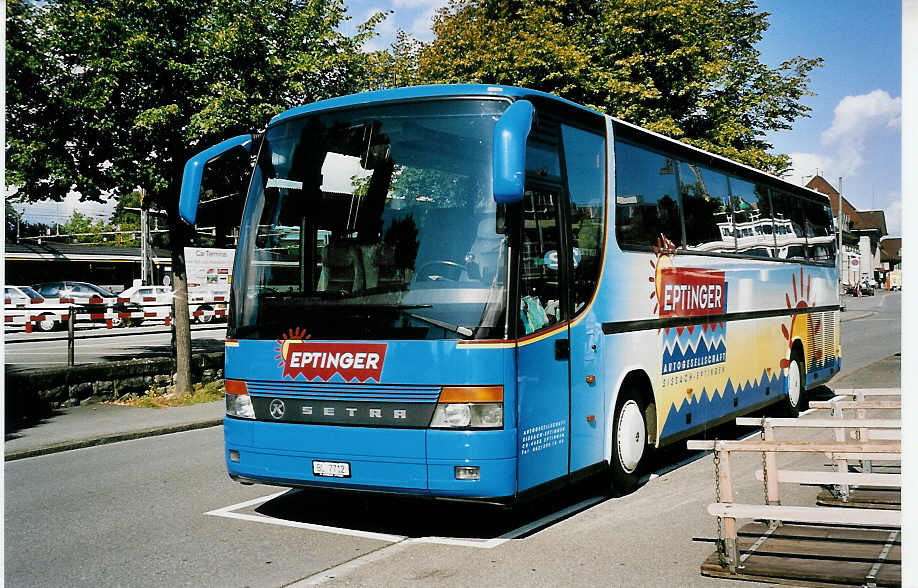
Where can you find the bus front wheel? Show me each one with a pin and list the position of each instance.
(630, 451)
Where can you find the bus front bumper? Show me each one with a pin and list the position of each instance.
(407, 461)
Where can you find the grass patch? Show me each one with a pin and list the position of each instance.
(157, 397)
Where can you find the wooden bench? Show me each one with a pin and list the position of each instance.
(728, 512)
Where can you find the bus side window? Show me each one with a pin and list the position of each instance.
(585, 162)
(646, 198)
(704, 202)
(789, 218)
(540, 294)
(820, 232)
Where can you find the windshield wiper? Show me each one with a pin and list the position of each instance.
(443, 325)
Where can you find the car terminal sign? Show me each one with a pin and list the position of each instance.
(206, 266)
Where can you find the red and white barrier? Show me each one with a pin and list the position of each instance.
(27, 315)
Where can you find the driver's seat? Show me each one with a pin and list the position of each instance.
(342, 268)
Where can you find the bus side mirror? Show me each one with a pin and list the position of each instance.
(194, 173)
(510, 134)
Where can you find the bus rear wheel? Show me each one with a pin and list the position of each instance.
(790, 406)
(630, 451)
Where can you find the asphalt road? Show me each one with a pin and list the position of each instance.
(161, 512)
(871, 330)
(30, 350)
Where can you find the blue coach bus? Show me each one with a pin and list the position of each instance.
(484, 292)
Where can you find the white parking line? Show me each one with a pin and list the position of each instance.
(230, 513)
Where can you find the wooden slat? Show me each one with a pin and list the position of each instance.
(850, 404)
(882, 434)
(834, 447)
(864, 498)
(869, 392)
(805, 477)
(863, 455)
(822, 423)
(815, 563)
(864, 517)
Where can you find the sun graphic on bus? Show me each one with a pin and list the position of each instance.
(664, 251)
(296, 335)
(798, 325)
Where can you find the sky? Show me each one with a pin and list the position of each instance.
(854, 129)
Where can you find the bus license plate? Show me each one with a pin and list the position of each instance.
(331, 469)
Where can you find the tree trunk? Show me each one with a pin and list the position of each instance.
(180, 315)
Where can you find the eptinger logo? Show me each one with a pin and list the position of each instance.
(323, 360)
(691, 292)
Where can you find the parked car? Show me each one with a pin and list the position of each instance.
(82, 293)
(203, 299)
(150, 296)
(21, 297)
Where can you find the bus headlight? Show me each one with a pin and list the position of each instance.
(238, 402)
(477, 407)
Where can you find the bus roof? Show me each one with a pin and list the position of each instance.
(432, 91)
(516, 93)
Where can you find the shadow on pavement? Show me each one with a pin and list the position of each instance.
(412, 516)
(422, 517)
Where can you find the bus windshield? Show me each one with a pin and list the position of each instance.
(374, 223)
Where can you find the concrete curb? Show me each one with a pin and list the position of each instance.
(853, 316)
(111, 438)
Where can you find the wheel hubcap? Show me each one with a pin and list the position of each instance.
(631, 436)
(793, 383)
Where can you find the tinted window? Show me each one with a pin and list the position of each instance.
(789, 223)
(540, 296)
(646, 202)
(585, 160)
(49, 289)
(820, 232)
(752, 218)
(704, 203)
(375, 223)
(542, 160)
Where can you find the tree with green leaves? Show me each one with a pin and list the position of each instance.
(107, 96)
(81, 228)
(686, 68)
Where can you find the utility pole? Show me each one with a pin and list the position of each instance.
(840, 229)
(144, 240)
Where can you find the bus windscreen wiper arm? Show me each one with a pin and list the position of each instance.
(443, 325)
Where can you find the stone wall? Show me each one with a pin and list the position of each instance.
(34, 392)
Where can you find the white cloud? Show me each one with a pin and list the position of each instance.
(422, 23)
(856, 115)
(806, 165)
(894, 215)
(49, 212)
(857, 119)
(413, 16)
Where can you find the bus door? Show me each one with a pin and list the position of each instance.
(584, 164)
(543, 354)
